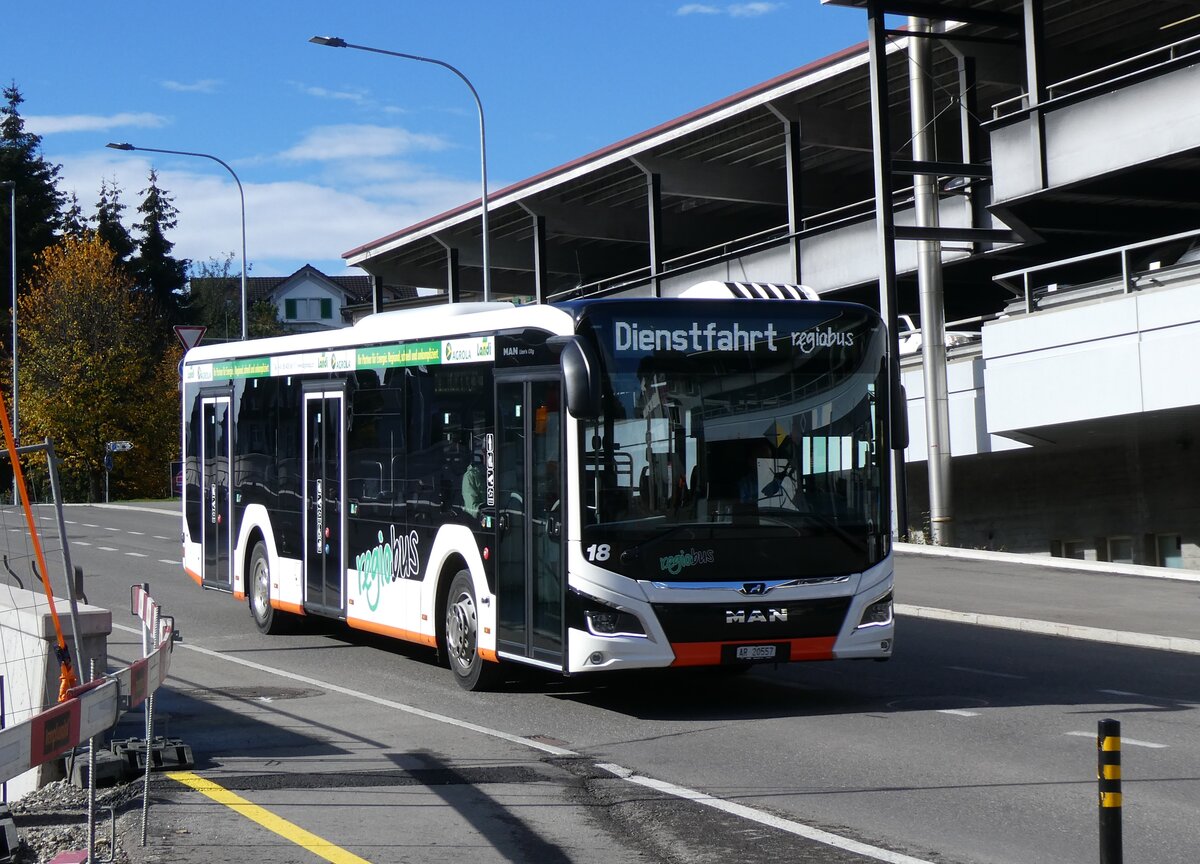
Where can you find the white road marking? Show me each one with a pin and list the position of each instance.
(958, 712)
(741, 810)
(987, 672)
(166, 561)
(138, 533)
(156, 537)
(90, 525)
(136, 555)
(82, 543)
(106, 548)
(749, 813)
(1121, 693)
(1132, 742)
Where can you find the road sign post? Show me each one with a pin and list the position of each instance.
(110, 448)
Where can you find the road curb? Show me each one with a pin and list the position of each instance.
(1171, 573)
(1051, 628)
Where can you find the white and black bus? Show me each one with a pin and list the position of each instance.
(590, 485)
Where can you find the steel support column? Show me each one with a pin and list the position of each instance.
(376, 294)
(1032, 32)
(881, 141)
(791, 149)
(539, 258)
(453, 276)
(929, 279)
(654, 229)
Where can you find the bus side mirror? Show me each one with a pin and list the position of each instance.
(581, 376)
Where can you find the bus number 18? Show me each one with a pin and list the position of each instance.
(599, 552)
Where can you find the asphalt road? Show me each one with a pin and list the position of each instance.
(974, 744)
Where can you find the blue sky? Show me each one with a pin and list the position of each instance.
(337, 147)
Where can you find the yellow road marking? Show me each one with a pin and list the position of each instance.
(285, 829)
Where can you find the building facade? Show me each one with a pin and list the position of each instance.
(1067, 231)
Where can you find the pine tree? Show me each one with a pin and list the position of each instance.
(74, 223)
(108, 222)
(38, 200)
(162, 277)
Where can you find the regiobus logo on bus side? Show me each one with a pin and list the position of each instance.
(397, 557)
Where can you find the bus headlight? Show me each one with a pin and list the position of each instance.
(608, 621)
(878, 613)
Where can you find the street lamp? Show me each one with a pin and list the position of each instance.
(338, 42)
(241, 197)
(11, 186)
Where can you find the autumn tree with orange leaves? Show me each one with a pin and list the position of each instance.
(89, 373)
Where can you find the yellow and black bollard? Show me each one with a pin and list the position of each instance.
(1108, 772)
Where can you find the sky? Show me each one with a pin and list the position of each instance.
(334, 147)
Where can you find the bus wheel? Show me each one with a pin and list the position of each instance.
(265, 617)
(462, 635)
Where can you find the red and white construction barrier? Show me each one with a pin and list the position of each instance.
(92, 708)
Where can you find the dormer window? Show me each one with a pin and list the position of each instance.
(308, 309)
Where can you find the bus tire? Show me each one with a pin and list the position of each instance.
(462, 636)
(266, 617)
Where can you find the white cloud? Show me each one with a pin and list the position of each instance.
(358, 97)
(735, 10)
(205, 85)
(359, 141)
(50, 125)
(752, 10)
(288, 222)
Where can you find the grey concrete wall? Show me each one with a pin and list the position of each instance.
(31, 668)
(1028, 500)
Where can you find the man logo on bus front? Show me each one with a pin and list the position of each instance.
(754, 588)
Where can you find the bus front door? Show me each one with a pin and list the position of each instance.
(530, 560)
(324, 523)
(216, 458)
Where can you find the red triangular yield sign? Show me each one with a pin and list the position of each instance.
(189, 335)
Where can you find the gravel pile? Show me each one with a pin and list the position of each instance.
(53, 819)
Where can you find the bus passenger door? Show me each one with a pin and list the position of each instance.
(216, 457)
(324, 523)
(530, 560)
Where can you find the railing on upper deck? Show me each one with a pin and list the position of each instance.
(1034, 291)
(820, 223)
(1123, 71)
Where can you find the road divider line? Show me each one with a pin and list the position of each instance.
(289, 831)
(741, 810)
(1133, 742)
(1052, 628)
(987, 672)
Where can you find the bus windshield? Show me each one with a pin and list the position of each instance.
(738, 442)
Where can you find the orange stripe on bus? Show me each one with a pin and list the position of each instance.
(283, 606)
(384, 630)
(195, 577)
(489, 655)
(709, 653)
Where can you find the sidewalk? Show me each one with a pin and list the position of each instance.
(1146, 607)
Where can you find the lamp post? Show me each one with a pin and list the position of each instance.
(241, 198)
(337, 42)
(11, 186)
